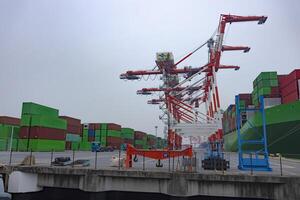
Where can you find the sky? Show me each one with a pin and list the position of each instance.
(69, 54)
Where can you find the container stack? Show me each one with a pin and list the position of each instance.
(85, 145)
(290, 86)
(228, 119)
(127, 135)
(74, 130)
(266, 84)
(41, 129)
(111, 135)
(151, 141)
(140, 140)
(9, 133)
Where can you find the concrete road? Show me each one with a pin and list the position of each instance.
(290, 167)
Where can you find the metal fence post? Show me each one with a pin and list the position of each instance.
(119, 158)
(96, 159)
(173, 163)
(280, 164)
(251, 163)
(143, 161)
(30, 157)
(51, 158)
(10, 156)
(183, 162)
(196, 166)
(169, 162)
(73, 158)
(222, 165)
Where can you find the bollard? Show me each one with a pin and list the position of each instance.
(96, 159)
(10, 156)
(51, 158)
(119, 158)
(251, 163)
(143, 161)
(280, 164)
(30, 159)
(73, 158)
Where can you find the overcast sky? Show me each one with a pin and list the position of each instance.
(68, 54)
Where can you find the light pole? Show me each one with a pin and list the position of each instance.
(156, 137)
(11, 138)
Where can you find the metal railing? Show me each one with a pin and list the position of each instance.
(281, 164)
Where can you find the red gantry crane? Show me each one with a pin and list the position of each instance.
(189, 95)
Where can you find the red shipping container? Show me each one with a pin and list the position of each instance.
(275, 90)
(112, 126)
(115, 142)
(295, 74)
(10, 120)
(290, 88)
(94, 126)
(42, 133)
(294, 96)
(74, 129)
(138, 135)
(245, 96)
(71, 120)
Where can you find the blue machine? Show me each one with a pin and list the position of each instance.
(258, 159)
(214, 157)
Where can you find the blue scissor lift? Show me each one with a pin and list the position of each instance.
(257, 160)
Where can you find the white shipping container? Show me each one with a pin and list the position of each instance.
(270, 102)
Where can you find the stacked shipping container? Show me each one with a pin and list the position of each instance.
(41, 129)
(228, 119)
(74, 130)
(140, 140)
(290, 86)
(266, 84)
(85, 145)
(127, 135)
(275, 89)
(9, 129)
(151, 141)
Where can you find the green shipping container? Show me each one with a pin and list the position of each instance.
(85, 146)
(5, 144)
(266, 76)
(42, 145)
(127, 133)
(30, 108)
(103, 126)
(140, 142)
(43, 121)
(113, 133)
(75, 146)
(264, 91)
(6, 130)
